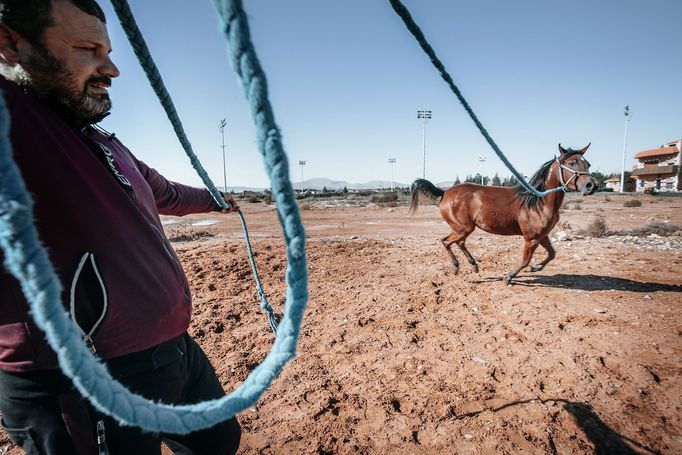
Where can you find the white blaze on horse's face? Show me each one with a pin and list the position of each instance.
(575, 171)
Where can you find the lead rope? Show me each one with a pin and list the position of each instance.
(132, 31)
(405, 15)
(27, 260)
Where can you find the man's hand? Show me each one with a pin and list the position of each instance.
(230, 201)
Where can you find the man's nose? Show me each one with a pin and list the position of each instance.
(109, 69)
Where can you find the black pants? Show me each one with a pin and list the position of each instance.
(43, 413)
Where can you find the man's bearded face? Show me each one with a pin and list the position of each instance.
(49, 80)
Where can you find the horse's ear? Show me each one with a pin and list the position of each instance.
(562, 151)
(584, 149)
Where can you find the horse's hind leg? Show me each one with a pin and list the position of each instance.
(551, 254)
(529, 248)
(470, 258)
(447, 241)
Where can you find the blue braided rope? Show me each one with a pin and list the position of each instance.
(272, 319)
(28, 261)
(132, 31)
(421, 39)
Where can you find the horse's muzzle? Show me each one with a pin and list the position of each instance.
(590, 187)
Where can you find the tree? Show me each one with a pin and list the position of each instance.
(630, 183)
(345, 190)
(496, 180)
(599, 176)
(324, 189)
(457, 181)
(510, 181)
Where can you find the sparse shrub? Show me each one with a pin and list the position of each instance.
(384, 198)
(597, 228)
(304, 206)
(254, 198)
(577, 207)
(632, 203)
(656, 227)
(607, 199)
(186, 234)
(267, 199)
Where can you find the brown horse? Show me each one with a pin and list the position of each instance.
(510, 211)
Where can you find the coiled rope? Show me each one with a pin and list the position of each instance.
(28, 261)
(421, 39)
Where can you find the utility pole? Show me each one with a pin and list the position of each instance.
(625, 146)
(391, 162)
(301, 163)
(221, 125)
(424, 115)
(482, 159)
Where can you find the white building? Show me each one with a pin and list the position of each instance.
(613, 183)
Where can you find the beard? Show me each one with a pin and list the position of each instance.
(46, 78)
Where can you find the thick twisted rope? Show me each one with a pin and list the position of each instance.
(28, 261)
(132, 31)
(421, 39)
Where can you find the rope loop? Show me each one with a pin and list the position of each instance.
(28, 261)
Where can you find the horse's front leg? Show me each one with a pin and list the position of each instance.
(551, 254)
(529, 248)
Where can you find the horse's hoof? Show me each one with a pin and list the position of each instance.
(535, 268)
(508, 278)
(475, 267)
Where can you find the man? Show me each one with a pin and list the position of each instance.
(97, 211)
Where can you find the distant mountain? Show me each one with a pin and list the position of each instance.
(320, 183)
(241, 189)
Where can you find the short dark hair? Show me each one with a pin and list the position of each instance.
(29, 18)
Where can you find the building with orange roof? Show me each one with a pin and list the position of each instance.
(659, 169)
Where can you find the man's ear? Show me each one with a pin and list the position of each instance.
(9, 48)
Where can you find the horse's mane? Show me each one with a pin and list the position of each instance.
(537, 181)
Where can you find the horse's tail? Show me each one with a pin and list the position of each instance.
(426, 188)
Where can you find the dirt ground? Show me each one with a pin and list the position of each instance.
(398, 355)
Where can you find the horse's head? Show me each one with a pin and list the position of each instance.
(574, 171)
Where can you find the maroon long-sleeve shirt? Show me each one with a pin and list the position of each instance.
(97, 211)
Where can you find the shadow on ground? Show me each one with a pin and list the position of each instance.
(606, 441)
(587, 283)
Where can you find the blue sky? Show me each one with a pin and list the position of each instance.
(346, 79)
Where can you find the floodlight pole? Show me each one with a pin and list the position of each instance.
(625, 146)
(301, 163)
(482, 159)
(221, 125)
(391, 162)
(424, 115)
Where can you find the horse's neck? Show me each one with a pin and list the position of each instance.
(556, 198)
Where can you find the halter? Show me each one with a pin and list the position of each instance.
(575, 175)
